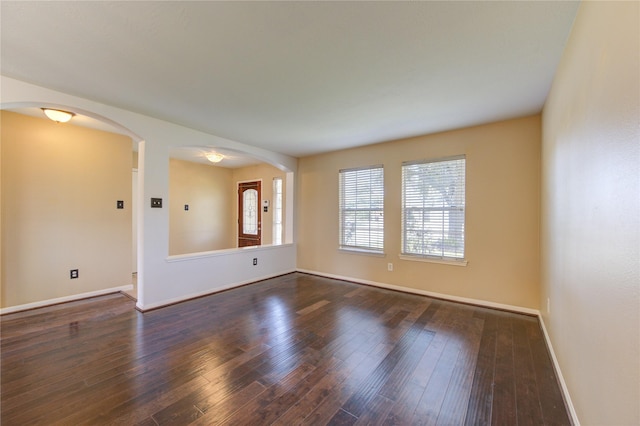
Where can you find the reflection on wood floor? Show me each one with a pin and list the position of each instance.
(295, 349)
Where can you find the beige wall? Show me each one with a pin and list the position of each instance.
(502, 218)
(266, 173)
(208, 224)
(591, 214)
(60, 184)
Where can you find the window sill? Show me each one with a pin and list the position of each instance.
(462, 262)
(362, 251)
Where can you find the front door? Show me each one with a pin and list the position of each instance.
(249, 218)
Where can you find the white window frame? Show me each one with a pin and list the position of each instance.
(277, 211)
(361, 210)
(425, 240)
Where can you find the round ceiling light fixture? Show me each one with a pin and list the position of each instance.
(214, 157)
(57, 115)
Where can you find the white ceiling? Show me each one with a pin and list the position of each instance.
(295, 77)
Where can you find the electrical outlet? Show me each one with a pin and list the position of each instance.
(255, 261)
(186, 207)
(120, 204)
(156, 203)
(389, 267)
(73, 274)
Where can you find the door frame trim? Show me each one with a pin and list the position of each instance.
(237, 203)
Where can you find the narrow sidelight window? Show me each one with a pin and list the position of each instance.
(361, 203)
(277, 210)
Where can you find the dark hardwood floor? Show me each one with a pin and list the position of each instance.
(296, 349)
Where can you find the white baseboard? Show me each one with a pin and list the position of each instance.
(520, 309)
(151, 306)
(57, 300)
(563, 384)
(466, 300)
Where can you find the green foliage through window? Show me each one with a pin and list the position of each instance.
(433, 208)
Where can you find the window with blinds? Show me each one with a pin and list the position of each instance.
(433, 208)
(362, 209)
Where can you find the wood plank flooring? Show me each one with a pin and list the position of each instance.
(296, 349)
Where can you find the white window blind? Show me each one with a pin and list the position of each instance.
(433, 208)
(362, 209)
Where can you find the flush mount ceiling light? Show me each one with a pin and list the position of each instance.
(57, 115)
(214, 157)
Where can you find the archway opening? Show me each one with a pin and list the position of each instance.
(205, 205)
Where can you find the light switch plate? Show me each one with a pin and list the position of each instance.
(156, 203)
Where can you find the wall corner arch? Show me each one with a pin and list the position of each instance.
(161, 282)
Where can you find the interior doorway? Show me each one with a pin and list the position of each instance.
(249, 214)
